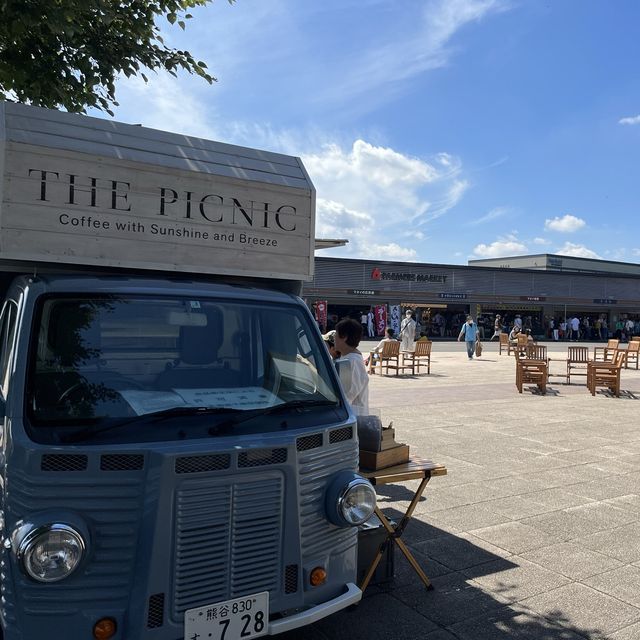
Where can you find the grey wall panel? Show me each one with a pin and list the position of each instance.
(477, 283)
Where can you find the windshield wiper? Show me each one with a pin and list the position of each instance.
(155, 416)
(87, 433)
(273, 409)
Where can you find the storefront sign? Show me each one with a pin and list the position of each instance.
(380, 311)
(378, 274)
(362, 292)
(320, 313)
(604, 301)
(533, 298)
(394, 323)
(453, 296)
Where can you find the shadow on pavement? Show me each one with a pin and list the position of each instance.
(458, 608)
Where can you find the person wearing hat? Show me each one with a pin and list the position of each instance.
(330, 342)
(497, 327)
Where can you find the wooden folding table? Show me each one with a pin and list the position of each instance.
(415, 469)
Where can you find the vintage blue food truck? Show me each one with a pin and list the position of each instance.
(177, 457)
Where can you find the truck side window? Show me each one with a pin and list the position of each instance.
(7, 333)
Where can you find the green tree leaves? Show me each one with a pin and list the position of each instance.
(68, 53)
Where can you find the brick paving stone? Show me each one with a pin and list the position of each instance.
(571, 560)
(564, 469)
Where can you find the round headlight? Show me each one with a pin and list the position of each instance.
(357, 502)
(51, 552)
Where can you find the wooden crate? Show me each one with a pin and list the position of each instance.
(375, 460)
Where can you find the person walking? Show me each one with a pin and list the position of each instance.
(497, 327)
(470, 333)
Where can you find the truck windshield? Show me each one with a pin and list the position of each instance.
(120, 361)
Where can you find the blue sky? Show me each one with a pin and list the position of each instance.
(433, 130)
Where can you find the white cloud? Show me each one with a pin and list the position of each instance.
(630, 120)
(506, 246)
(497, 212)
(541, 241)
(577, 251)
(635, 252)
(396, 193)
(406, 50)
(393, 251)
(566, 224)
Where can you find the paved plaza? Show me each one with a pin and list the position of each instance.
(534, 534)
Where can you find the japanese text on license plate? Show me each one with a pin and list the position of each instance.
(237, 619)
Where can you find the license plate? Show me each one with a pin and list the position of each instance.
(237, 619)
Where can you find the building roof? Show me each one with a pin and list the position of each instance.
(556, 262)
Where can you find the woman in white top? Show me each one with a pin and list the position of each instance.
(353, 373)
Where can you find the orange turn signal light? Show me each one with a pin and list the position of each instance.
(317, 577)
(104, 629)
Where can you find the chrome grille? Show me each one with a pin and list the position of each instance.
(228, 540)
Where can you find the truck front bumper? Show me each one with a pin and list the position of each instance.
(352, 595)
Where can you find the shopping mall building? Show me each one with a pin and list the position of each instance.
(536, 287)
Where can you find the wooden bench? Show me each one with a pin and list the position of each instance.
(420, 356)
(389, 358)
(390, 352)
(605, 374)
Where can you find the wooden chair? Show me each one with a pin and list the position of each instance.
(607, 352)
(504, 344)
(577, 360)
(529, 371)
(632, 353)
(390, 354)
(389, 357)
(605, 374)
(420, 356)
(536, 352)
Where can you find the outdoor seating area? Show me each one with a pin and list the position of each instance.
(551, 530)
(601, 371)
(392, 359)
